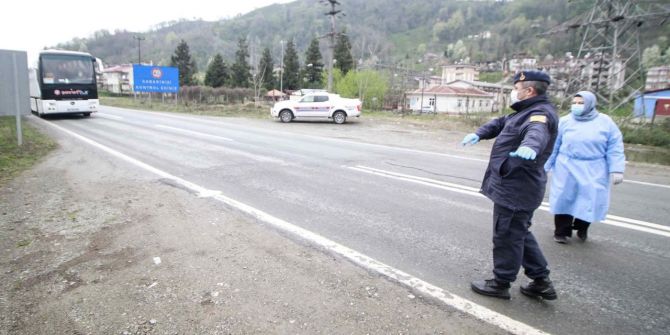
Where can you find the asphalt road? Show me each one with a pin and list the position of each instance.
(415, 210)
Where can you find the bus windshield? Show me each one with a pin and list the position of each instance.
(67, 69)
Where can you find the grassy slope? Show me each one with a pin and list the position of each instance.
(14, 159)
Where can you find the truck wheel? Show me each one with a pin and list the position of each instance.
(87, 114)
(286, 116)
(340, 117)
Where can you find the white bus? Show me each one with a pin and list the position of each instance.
(64, 82)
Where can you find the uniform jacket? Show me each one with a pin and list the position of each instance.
(512, 182)
(587, 150)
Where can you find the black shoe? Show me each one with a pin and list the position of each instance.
(581, 233)
(540, 288)
(491, 288)
(561, 239)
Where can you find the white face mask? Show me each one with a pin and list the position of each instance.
(513, 97)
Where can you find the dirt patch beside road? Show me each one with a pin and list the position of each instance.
(92, 245)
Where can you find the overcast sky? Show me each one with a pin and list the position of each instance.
(31, 25)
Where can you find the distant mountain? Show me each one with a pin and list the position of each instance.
(387, 31)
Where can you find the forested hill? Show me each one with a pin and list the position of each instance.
(382, 30)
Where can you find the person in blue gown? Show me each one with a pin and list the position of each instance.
(587, 159)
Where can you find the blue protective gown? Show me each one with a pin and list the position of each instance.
(587, 150)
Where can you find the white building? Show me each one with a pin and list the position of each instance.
(499, 92)
(459, 72)
(521, 62)
(450, 99)
(601, 72)
(658, 78)
(118, 79)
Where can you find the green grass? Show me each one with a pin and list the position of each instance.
(658, 136)
(13, 158)
(230, 110)
(23, 243)
(438, 121)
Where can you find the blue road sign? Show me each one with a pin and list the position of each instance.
(162, 79)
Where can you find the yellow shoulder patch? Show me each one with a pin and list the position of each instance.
(538, 118)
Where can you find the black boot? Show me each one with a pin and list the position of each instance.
(491, 288)
(582, 227)
(582, 234)
(540, 288)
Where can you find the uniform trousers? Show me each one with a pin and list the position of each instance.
(515, 246)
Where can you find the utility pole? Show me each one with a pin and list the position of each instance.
(281, 68)
(609, 60)
(332, 13)
(139, 47)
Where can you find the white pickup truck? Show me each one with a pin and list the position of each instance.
(315, 106)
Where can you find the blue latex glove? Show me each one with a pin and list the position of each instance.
(470, 139)
(524, 152)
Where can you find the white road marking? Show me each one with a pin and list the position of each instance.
(645, 183)
(195, 133)
(108, 116)
(613, 220)
(492, 317)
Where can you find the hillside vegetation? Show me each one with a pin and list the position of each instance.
(381, 31)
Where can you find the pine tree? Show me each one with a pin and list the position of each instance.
(265, 68)
(182, 61)
(240, 76)
(314, 65)
(217, 72)
(344, 60)
(291, 67)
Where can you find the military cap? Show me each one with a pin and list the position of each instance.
(531, 75)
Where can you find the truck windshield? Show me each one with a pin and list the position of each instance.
(67, 69)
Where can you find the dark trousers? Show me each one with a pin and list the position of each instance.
(565, 224)
(515, 246)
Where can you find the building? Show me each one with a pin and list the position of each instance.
(593, 73)
(601, 73)
(521, 62)
(449, 99)
(459, 72)
(118, 79)
(428, 81)
(499, 92)
(652, 104)
(658, 78)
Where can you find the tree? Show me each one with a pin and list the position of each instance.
(440, 31)
(313, 65)
(182, 61)
(457, 51)
(665, 59)
(454, 26)
(344, 59)
(265, 67)
(369, 86)
(651, 56)
(217, 72)
(291, 67)
(241, 76)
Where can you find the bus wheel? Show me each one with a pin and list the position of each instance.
(87, 114)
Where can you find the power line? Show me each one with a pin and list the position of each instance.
(609, 59)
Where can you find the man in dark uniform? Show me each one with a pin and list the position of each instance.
(515, 181)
